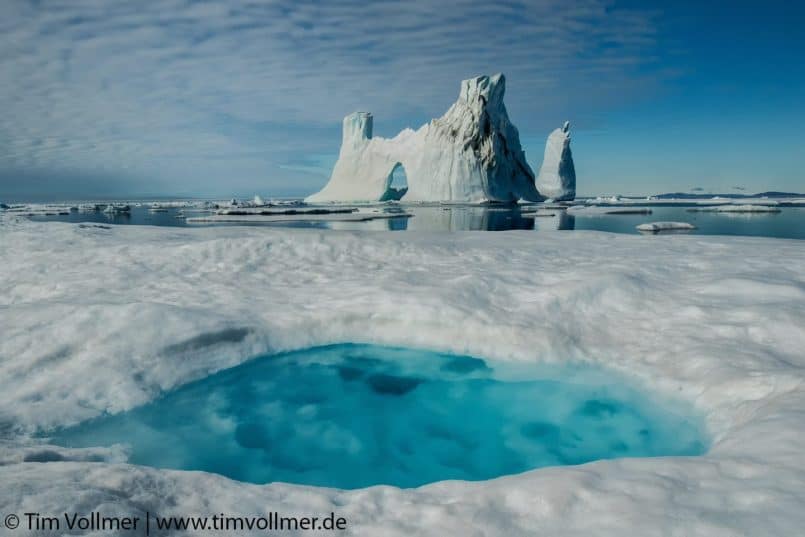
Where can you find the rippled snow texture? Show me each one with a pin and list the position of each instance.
(102, 320)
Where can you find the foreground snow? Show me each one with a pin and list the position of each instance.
(99, 319)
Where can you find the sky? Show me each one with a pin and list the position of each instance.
(219, 99)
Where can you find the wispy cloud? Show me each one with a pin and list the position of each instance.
(211, 91)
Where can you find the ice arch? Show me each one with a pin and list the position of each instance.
(470, 154)
(396, 183)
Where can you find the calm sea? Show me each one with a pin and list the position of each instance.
(788, 223)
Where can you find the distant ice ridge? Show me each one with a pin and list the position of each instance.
(471, 154)
(769, 208)
(557, 176)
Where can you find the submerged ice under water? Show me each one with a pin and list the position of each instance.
(351, 416)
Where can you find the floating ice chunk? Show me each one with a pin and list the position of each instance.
(117, 208)
(36, 209)
(471, 154)
(557, 176)
(308, 215)
(655, 227)
(580, 210)
(264, 211)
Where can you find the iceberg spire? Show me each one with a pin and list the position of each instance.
(557, 176)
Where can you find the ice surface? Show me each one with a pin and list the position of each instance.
(471, 154)
(557, 176)
(103, 320)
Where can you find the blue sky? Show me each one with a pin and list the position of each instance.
(182, 97)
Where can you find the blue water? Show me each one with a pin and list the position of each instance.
(788, 223)
(351, 416)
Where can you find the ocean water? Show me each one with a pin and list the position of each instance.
(789, 223)
(351, 416)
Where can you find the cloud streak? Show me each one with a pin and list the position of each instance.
(181, 91)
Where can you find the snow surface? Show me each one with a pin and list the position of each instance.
(471, 154)
(557, 176)
(104, 319)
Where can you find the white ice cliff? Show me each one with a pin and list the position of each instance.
(471, 154)
(557, 176)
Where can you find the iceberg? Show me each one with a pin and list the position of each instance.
(471, 154)
(557, 176)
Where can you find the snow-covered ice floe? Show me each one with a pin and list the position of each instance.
(654, 227)
(349, 214)
(585, 210)
(101, 320)
(39, 209)
(737, 209)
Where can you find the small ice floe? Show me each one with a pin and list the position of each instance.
(657, 227)
(157, 208)
(89, 208)
(580, 210)
(36, 209)
(605, 199)
(117, 208)
(737, 209)
(351, 214)
(246, 211)
(539, 213)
